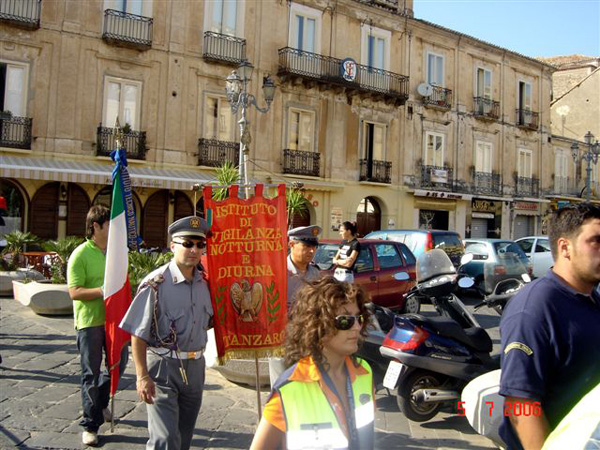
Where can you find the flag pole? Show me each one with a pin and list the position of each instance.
(112, 413)
(258, 403)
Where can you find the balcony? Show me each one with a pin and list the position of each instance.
(527, 187)
(375, 171)
(21, 13)
(485, 108)
(566, 186)
(299, 162)
(15, 132)
(213, 153)
(436, 177)
(488, 183)
(328, 71)
(440, 98)
(134, 143)
(390, 5)
(223, 48)
(527, 119)
(128, 30)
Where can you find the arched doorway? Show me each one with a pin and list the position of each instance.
(183, 206)
(155, 218)
(43, 213)
(104, 197)
(78, 205)
(200, 207)
(368, 216)
(13, 206)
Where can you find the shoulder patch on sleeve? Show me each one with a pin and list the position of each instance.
(518, 346)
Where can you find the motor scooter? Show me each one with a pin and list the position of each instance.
(433, 358)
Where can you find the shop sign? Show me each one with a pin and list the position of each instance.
(526, 206)
(435, 194)
(336, 218)
(438, 175)
(348, 69)
(483, 206)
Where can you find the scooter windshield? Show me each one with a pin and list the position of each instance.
(433, 264)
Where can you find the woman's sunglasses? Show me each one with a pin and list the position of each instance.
(190, 244)
(345, 322)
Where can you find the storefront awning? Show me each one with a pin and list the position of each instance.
(97, 173)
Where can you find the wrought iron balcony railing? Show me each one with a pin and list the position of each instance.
(486, 108)
(224, 48)
(527, 119)
(440, 97)
(328, 70)
(437, 177)
(565, 186)
(15, 132)
(390, 5)
(376, 171)
(213, 153)
(134, 143)
(487, 183)
(127, 29)
(22, 13)
(300, 162)
(527, 187)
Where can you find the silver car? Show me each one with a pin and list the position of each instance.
(537, 249)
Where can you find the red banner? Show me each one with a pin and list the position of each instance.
(246, 257)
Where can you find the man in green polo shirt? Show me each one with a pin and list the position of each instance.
(85, 277)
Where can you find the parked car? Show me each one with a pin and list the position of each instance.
(494, 260)
(376, 265)
(537, 248)
(420, 241)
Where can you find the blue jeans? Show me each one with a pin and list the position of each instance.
(95, 380)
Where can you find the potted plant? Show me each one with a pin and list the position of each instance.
(50, 296)
(296, 204)
(142, 263)
(13, 261)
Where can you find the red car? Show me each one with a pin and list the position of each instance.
(376, 265)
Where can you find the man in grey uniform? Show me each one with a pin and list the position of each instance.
(168, 320)
(303, 243)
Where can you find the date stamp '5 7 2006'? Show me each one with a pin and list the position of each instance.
(510, 409)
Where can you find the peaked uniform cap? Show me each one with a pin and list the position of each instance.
(308, 235)
(191, 226)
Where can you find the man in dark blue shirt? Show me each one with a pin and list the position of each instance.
(551, 332)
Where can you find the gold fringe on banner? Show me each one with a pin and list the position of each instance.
(250, 353)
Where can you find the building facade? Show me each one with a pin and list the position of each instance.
(386, 119)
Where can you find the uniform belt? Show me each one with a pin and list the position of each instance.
(182, 355)
(344, 270)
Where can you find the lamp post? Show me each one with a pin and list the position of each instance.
(590, 155)
(238, 97)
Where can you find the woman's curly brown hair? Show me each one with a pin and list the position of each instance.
(313, 317)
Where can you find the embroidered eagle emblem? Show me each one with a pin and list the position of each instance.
(247, 299)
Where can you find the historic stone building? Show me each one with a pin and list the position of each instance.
(385, 118)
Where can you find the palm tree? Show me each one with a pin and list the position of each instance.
(142, 263)
(227, 175)
(16, 242)
(63, 249)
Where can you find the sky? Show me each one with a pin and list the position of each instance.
(530, 27)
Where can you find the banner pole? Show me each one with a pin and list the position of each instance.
(112, 413)
(257, 386)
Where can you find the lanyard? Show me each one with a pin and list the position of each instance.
(350, 419)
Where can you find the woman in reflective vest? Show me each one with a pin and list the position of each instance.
(324, 400)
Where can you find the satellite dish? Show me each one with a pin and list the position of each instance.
(424, 89)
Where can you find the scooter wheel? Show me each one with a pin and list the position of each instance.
(406, 402)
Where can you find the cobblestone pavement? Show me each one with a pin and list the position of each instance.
(40, 403)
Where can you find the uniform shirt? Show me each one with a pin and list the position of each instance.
(307, 371)
(296, 279)
(86, 269)
(346, 249)
(184, 304)
(550, 348)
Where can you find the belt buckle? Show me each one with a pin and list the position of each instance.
(191, 355)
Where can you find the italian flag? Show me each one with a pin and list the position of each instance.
(117, 292)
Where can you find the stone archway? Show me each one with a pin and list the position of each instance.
(368, 216)
(12, 218)
(155, 218)
(183, 206)
(43, 212)
(78, 205)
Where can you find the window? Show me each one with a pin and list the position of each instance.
(13, 88)
(375, 48)
(561, 171)
(542, 246)
(388, 256)
(484, 83)
(524, 96)
(122, 99)
(524, 163)
(138, 7)
(477, 249)
(373, 141)
(434, 149)
(224, 17)
(301, 125)
(218, 119)
(526, 245)
(483, 156)
(305, 28)
(364, 261)
(435, 69)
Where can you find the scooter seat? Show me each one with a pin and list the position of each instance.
(474, 337)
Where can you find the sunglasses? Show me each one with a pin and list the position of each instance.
(345, 322)
(190, 244)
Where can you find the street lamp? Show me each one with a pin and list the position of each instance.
(238, 97)
(590, 155)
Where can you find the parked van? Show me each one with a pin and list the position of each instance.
(420, 241)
